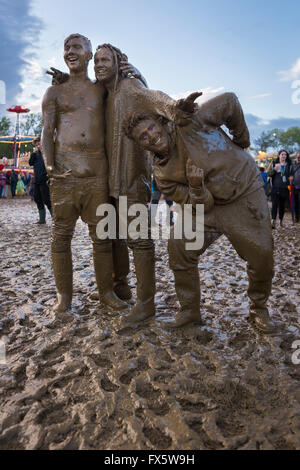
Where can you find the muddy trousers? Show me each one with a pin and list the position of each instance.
(73, 198)
(143, 256)
(250, 234)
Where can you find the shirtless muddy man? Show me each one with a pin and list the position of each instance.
(76, 163)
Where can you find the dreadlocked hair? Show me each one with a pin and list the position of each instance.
(118, 57)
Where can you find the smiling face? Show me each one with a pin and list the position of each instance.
(282, 158)
(77, 55)
(104, 65)
(151, 135)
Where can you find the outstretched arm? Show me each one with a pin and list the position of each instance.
(48, 128)
(226, 110)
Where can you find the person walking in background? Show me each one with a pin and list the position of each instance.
(5, 189)
(296, 184)
(281, 175)
(41, 188)
(264, 176)
(20, 188)
(13, 183)
(2, 183)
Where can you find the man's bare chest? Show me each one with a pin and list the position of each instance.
(79, 100)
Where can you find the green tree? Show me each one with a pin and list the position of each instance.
(290, 139)
(31, 124)
(5, 126)
(268, 140)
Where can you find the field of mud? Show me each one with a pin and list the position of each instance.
(91, 382)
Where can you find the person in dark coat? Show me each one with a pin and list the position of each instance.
(13, 183)
(281, 175)
(41, 188)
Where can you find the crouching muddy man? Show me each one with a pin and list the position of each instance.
(232, 194)
(78, 169)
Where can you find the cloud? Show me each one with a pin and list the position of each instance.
(292, 74)
(258, 97)
(19, 32)
(257, 124)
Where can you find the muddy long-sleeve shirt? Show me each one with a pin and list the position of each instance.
(229, 172)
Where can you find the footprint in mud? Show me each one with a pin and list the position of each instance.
(108, 386)
(229, 424)
(82, 332)
(53, 351)
(209, 444)
(157, 438)
(52, 415)
(145, 390)
(141, 367)
(100, 360)
(239, 341)
(126, 331)
(204, 337)
(186, 405)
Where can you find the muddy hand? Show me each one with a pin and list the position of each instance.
(187, 104)
(58, 77)
(62, 176)
(195, 175)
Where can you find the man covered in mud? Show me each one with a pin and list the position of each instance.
(199, 164)
(77, 165)
(129, 165)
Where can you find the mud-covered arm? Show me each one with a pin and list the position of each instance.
(174, 191)
(226, 110)
(49, 116)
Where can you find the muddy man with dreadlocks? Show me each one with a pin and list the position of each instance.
(129, 166)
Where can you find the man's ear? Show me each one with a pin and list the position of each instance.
(90, 56)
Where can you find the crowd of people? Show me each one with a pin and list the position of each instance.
(282, 186)
(13, 183)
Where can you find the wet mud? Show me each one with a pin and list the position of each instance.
(89, 381)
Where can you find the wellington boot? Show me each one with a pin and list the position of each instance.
(121, 269)
(63, 275)
(261, 320)
(187, 286)
(42, 214)
(273, 224)
(183, 318)
(103, 264)
(144, 307)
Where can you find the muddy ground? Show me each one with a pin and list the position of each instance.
(95, 383)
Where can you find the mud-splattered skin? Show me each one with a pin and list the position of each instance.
(78, 169)
(76, 110)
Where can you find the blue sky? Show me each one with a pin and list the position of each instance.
(249, 47)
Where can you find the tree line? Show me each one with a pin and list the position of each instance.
(276, 139)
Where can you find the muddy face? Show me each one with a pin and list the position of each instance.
(105, 67)
(76, 55)
(151, 135)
